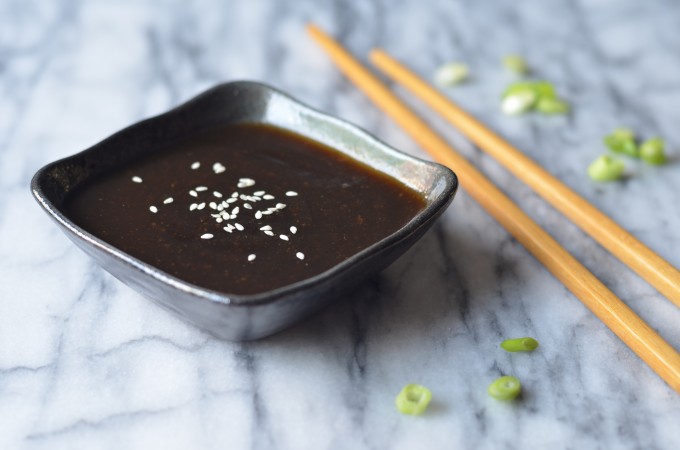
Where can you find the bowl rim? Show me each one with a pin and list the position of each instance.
(431, 211)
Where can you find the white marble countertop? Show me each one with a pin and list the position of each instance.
(87, 363)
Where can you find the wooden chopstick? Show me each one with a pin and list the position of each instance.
(657, 271)
(632, 330)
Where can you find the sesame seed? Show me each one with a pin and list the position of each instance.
(212, 205)
(291, 194)
(227, 229)
(219, 220)
(235, 210)
(234, 194)
(245, 182)
(217, 194)
(300, 255)
(280, 205)
(247, 206)
(268, 197)
(267, 212)
(153, 209)
(218, 168)
(251, 257)
(193, 206)
(293, 230)
(206, 236)
(259, 193)
(238, 226)
(266, 227)
(283, 237)
(137, 179)
(168, 200)
(201, 188)
(232, 200)
(268, 233)
(195, 165)
(193, 193)
(258, 214)
(201, 206)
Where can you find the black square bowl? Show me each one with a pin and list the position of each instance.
(243, 317)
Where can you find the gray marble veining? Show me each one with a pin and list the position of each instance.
(87, 363)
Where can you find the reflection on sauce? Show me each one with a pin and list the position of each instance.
(243, 209)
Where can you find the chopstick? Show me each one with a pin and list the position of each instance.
(653, 268)
(632, 330)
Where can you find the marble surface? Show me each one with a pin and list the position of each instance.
(86, 363)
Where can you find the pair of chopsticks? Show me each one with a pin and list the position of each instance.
(611, 310)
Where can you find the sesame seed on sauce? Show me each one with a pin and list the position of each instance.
(247, 206)
(268, 197)
(217, 194)
(137, 179)
(258, 214)
(293, 229)
(201, 188)
(195, 165)
(153, 209)
(268, 233)
(291, 194)
(201, 206)
(283, 237)
(245, 182)
(238, 226)
(218, 168)
(300, 255)
(280, 205)
(193, 206)
(251, 257)
(193, 193)
(259, 193)
(266, 227)
(206, 236)
(168, 200)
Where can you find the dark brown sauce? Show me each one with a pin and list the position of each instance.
(341, 207)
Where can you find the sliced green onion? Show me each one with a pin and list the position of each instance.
(606, 168)
(622, 140)
(518, 102)
(516, 64)
(525, 344)
(652, 151)
(451, 73)
(523, 96)
(505, 388)
(551, 106)
(413, 399)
